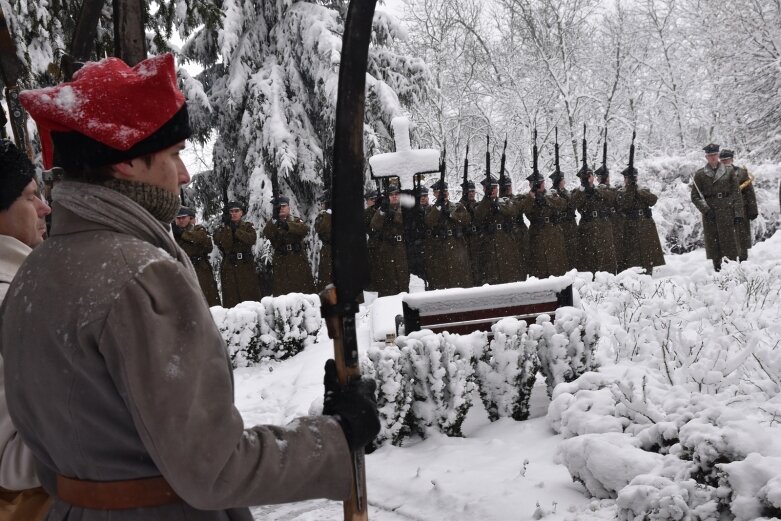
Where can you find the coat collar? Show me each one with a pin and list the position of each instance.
(12, 254)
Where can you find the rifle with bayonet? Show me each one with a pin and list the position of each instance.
(538, 179)
(441, 194)
(557, 172)
(350, 258)
(465, 183)
(502, 175)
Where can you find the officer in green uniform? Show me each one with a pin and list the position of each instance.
(291, 271)
(716, 194)
(235, 240)
(642, 247)
(746, 184)
(195, 241)
(499, 250)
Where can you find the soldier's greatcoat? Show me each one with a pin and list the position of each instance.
(291, 271)
(716, 195)
(473, 239)
(745, 236)
(371, 248)
(237, 273)
(616, 219)
(449, 251)
(596, 249)
(521, 234)
(547, 254)
(499, 251)
(391, 254)
(642, 246)
(197, 244)
(128, 378)
(416, 240)
(325, 265)
(569, 228)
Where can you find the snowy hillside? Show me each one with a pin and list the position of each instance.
(680, 421)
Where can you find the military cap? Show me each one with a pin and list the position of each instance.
(235, 204)
(726, 154)
(534, 177)
(493, 181)
(16, 172)
(556, 177)
(282, 200)
(470, 186)
(711, 148)
(422, 191)
(602, 172)
(629, 172)
(439, 186)
(392, 189)
(585, 171)
(370, 194)
(185, 211)
(507, 182)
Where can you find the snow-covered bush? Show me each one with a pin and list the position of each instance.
(508, 368)
(565, 346)
(694, 386)
(443, 372)
(276, 327)
(390, 367)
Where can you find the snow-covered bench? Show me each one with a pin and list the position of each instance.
(462, 311)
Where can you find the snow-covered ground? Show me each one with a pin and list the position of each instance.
(508, 470)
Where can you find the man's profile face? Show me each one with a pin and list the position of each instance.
(726, 161)
(183, 221)
(24, 219)
(284, 211)
(236, 214)
(712, 159)
(370, 202)
(166, 169)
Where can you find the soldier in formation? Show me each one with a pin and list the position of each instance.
(450, 267)
(499, 251)
(195, 241)
(370, 198)
(390, 256)
(418, 251)
(290, 268)
(596, 249)
(323, 230)
(715, 191)
(566, 219)
(235, 240)
(547, 252)
(745, 183)
(472, 234)
(614, 217)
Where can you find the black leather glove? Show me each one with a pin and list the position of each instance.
(385, 205)
(738, 220)
(539, 198)
(282, 224)
(234, 225)
(353, 405)
(752, 217)
(446, 210)
(177, 231)
(590, 189)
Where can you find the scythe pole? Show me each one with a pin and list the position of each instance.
(350, 259)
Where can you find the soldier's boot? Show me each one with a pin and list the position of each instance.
(717, 264)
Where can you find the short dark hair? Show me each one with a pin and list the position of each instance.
(98, 174)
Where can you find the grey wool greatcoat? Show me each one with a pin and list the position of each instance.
(547, 253)
(237, 272)
(450, 266)
(291, 267)
(128, 377)
(391, 254)
(716, 194)
(197, 244)
(642, 246)
(597, 251)
(745, 236)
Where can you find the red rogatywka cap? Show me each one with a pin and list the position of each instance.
(109, 113)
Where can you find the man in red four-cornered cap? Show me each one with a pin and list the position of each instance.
(124, 391)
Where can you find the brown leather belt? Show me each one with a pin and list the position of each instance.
(116, 495)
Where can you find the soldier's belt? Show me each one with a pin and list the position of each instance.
(116, 495)
(593, 214)
(718, 195)
(393, 238)
(196, 258)
(542, 221)
(449, 233)
(638, 213)
(240, 256)
(289, 248)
